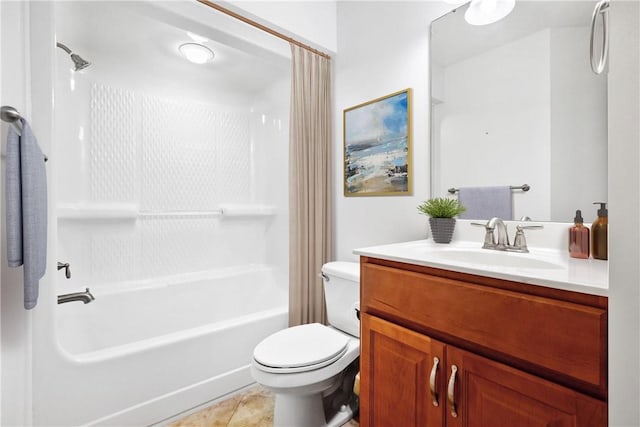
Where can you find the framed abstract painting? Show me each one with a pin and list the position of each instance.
(377, 146)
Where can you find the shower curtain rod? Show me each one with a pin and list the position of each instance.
(262, 27)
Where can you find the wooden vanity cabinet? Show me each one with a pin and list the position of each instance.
(419, 324)
(396, 365)
(491, 394)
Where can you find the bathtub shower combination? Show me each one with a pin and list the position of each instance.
(170, 206)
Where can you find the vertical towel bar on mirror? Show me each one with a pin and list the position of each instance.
(598, 66)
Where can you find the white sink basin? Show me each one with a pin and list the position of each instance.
(495, 258)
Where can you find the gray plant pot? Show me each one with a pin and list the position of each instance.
(442, 229)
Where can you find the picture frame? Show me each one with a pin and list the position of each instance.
(377, 147)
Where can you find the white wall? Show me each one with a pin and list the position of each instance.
(383, 47)
(624, 211)
(15, 321)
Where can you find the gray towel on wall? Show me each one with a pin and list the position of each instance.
(26, 200)
(486, 202)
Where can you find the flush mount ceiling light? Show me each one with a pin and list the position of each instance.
(196, 53)
(483, 12)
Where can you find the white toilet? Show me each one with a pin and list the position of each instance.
(311, 368)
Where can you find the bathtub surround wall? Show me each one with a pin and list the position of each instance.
(310, 184)
(165, 171)
(116, 232)
(161, 174)
(159, 214)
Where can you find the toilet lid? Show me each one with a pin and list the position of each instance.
(301, 348)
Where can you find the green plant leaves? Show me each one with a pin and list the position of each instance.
(441, 207)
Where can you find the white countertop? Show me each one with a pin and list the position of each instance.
(545, 267)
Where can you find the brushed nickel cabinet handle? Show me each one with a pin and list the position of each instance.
(432, 381)
(451, 392)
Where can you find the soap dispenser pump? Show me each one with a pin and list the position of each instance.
(579, 238)
(599, 233)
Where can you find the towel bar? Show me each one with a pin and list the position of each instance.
(10, 115)
(523, 187)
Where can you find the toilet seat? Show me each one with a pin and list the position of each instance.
(300, 349)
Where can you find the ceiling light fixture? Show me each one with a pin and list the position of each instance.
(196, 53)
(484, 12)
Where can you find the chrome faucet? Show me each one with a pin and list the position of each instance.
(85, 297)
(519, 241)
(503, 234)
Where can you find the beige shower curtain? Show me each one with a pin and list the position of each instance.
(309, 184)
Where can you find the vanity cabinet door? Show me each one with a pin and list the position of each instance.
(399, 368)
(488, 393)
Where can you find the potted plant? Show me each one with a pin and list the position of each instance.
(441, 211)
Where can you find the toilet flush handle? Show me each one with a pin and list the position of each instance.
(324, 276)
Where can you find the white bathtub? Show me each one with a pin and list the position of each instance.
(169, 347)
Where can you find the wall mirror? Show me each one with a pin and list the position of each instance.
(515, 102)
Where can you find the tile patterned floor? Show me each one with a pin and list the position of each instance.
(252, 408)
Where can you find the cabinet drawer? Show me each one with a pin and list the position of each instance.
(567, 340)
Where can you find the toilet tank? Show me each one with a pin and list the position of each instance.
(342, 295)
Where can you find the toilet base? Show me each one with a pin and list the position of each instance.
(295, 410)
(332, 407)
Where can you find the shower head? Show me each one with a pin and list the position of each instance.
(78, 61)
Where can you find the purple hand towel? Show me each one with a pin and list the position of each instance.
(26, 201)
(486, 202)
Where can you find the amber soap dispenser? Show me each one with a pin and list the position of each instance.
(578, 238)
(599, 233)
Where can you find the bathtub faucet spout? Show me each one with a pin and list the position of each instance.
(85, 297)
